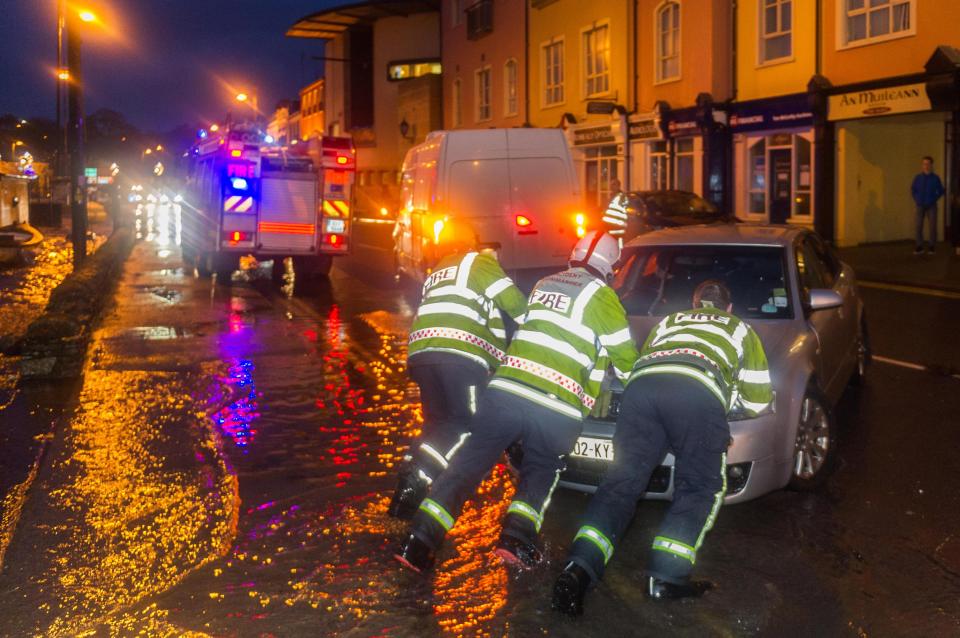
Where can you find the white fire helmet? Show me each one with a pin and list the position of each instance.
(596, 249)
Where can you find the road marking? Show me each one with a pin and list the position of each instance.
(914, 366)
(917, 290)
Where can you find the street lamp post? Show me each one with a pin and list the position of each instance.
(78, 187)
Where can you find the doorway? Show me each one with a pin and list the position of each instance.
(781, 167)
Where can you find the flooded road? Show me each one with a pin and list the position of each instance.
(227, 465)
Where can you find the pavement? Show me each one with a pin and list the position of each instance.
(894, 263)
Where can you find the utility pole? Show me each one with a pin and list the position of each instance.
(75, 135)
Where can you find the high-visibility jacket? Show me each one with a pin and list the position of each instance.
(574, 328)
(715, 348)
(616, 216)
(460, 310)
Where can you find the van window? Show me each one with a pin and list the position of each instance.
(479, 188)
(541, 187)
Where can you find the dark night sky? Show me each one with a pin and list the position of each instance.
(167, 62)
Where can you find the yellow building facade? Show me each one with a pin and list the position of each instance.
(312, 110)
(581, 65)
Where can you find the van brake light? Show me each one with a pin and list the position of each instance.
(523, 221)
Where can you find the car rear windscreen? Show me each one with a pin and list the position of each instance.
(659, 280)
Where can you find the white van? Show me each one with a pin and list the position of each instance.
(516, 188)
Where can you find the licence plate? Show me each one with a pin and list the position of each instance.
(335, 226)
(590, 448)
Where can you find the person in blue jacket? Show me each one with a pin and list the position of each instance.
(927, 189)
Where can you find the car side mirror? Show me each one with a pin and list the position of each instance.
(824, 299)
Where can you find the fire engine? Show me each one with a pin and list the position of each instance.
(247, 197)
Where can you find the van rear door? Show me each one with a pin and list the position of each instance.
(540, 190)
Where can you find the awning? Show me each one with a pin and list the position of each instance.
(330, 23)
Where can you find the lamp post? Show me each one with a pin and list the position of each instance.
(78, 186)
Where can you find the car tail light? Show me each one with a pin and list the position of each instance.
(580, 224)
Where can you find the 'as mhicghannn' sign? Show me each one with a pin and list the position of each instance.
(907, 98)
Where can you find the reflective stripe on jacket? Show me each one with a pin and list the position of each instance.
(715, 348)
(574, 328)
(460, 310)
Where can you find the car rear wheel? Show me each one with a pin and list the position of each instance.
(815, 446)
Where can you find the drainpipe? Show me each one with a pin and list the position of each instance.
(733, 51)
(818, 40)
(526, 64)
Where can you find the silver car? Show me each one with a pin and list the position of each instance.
(803, 303)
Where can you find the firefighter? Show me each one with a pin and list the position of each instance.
(547, 382)
(457, 339)
(695, 366)
(616, 216)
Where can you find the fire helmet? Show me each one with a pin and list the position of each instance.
(598, 250)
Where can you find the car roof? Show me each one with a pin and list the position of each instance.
(735, 234)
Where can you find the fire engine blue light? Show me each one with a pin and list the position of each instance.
(238, 183)
(202, 133)
(268, 139)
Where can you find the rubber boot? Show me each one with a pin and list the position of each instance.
(410, 492)
(416, 555)
(662, 590)
(517, 552)
(569, 590)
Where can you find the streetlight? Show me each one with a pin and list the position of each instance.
(87, 16)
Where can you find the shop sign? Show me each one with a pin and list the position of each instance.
(683, 127)
(907, 98)
(645, 129)
(593, 135)
(789, 112)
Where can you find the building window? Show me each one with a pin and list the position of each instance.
(757, 170)
(482, 94)
(552, 53)
(596, 60)
(868, 20)
(668, 41)
(410, 69)
(510, 87)
(479, 19)
(776, 25)
(683, 164)
(659, 166)
(601, 166)
(457, 117)
(803, 180)
(456, 12)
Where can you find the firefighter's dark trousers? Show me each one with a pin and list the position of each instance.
(450, 386)
(503, 418)
(660, 413)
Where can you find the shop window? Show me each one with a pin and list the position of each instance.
(776, 25)
(668, 41)
(869, 20)
(596, 60)
(601, 170)
(757, 171)
(684, 164)
(457, 105)
(410, 69)
(552, 54)
(481, 95)
(510, 87)
(803, 180)
(659, 166)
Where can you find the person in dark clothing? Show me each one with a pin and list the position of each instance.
(927, 189)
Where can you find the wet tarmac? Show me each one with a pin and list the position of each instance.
(225, 465)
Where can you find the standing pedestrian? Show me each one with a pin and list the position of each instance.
(548, 381)
(694, 367)
(926, 189)
(457, 339)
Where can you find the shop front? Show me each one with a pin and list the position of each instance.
(773, 160)
(598, 154)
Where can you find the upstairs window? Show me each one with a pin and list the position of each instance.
(456, 13)
(776, 28)
(510, 87)
(479, 19)
(482, 96)
(870, 20)
(668, 41)
(596, 60)
(552, 54)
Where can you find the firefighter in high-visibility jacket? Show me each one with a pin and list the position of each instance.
(574, 327)
(694, 368)
(456, 341)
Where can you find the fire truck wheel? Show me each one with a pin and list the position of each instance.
(204, 266)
